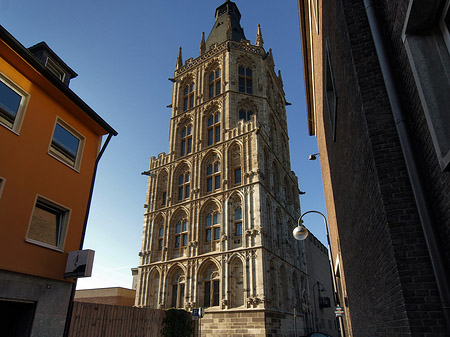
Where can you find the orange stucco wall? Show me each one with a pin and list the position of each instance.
(28, 170)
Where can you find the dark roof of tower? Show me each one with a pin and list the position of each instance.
(228, 18)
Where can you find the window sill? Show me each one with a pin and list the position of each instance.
(63, 162)
(44, 245)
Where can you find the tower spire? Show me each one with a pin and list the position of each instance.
(179, 59)
(259, 39)
(202, 44)
(227, 25)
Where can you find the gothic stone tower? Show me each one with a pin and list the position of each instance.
(222, 203)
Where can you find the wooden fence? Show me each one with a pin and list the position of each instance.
(102, 320)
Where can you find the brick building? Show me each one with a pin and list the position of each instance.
(377, 84)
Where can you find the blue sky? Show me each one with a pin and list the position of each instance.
(124, 52)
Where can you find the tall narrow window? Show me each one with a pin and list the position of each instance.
(186, 140)
(188, 97)
(238, 221)
(213, 176)
(237, 176)
(181, 234)
(212, 227)
(245, 115)
(213, 129)
(176, 289)
(184, 186)
(160, 238)
(214, 83)
(245, 80)
(211, 287)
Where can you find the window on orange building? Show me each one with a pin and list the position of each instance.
(12, 104)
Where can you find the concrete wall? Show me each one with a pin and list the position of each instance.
(51, 298)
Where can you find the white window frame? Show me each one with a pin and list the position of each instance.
(17, 124)
(64, 224)
(55, 153)
(55, 69)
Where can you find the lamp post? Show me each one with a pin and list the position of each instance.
(300, 233)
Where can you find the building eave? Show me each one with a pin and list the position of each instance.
(308, 76)
(23, 52)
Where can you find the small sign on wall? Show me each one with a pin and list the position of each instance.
(79, 263)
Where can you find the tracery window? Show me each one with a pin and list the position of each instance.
(245, 115)
(212, 227)
(160, 238)
(214, 83)
(245, 80)
(186, 140)
(181, 233)
(184, 189)
(213, 176)
(188, 97)
(235, 168)
(213, 128)
(238, 221)
(210, 287)
(176, 289)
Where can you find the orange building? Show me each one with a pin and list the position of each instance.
(50, 145)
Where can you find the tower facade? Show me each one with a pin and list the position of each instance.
(222, 203)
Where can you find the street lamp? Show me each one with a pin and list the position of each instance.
(300, 233)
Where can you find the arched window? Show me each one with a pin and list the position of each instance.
(214, 83)
(153, 293)
(162, 190)
(209, 286)
(235, 169)
(213, 176)
(212, 227)
(188, 96)
(245, 115)
(181, 233)
(176, 289)
(245, 80)
(186, 140)
(184, 189)
(236, 283)
(213, 128)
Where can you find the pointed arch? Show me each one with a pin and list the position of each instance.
(235, 214)
(212, 171)
(236, 282)
(159, 229)
(246, 108)
(209, 284)
(153, 288)
(210, 226)
(213, 79)
(181, 182)
(175, 286)
(235, 163)
(178, 233)
(186, 93)
(162, 185)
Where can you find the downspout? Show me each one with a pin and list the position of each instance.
(438, 262)
(83, 234)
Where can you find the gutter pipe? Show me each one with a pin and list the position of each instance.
(83, 234)
(438, 261)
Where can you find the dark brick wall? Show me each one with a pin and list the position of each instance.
(390, 282)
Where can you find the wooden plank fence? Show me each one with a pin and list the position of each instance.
(102, 320)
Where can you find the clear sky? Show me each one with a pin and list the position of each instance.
(124, 52)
